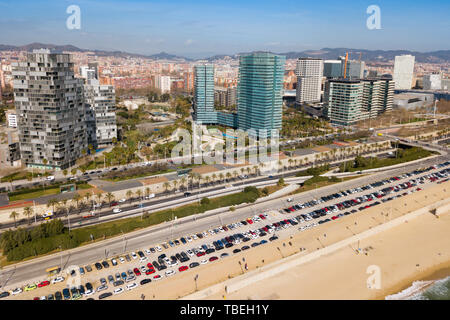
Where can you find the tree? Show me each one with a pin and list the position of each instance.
(65, 172)
(129, 195)
(139, 193)
(166, 185)
(52, 203)
(280, 182)
(28, 212)
(205, 201)
(110, 197)
(99, 197)
(74, 171)
(77, 199)
(147, 191)
(14, 216)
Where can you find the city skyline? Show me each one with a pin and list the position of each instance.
(201, 29)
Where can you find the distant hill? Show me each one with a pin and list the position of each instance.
(441, 56)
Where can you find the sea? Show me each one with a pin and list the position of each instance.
(425, 290)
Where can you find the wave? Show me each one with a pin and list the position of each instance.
(425, 290)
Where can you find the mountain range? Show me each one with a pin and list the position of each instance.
(440, 56)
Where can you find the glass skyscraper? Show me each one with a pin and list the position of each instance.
(260, 92)
(204, 111)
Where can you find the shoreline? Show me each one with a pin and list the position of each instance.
(431, 275)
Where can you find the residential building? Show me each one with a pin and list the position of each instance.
(260, 92)
(50, 106)
(10, 150)
(349, 101)
(309, 73)
(225, 97)
(432, 81)
(403, 72)
(11, 118)
(163, 83)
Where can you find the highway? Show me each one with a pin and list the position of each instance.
(34, 270)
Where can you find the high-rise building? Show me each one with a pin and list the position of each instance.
(355, 68)
(432, 81)
(188, 81)
(225, 97)
(349, 101)
(100, 113)
(204, 111)
(309, 74)
(260, 92)
(51, 113)
(332, 68)
(163, 83)
(403, 72)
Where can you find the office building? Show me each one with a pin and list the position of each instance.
(355, 68)
(260, 92)
(432, 81)
(309, 72)
(403, 72)
(50, 106)
(204, 111)
(332, 68)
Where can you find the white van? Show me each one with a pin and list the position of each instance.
(50, 178)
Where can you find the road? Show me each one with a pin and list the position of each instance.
(35, 269)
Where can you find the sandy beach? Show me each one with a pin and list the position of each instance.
(416, 249)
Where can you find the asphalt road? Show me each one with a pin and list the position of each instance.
(35, 269)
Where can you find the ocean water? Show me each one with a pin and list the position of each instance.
(425, 290)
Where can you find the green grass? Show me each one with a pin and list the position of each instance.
(43, 245)
(25, 194)
(20, 175)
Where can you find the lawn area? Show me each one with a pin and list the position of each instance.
(404, 155)
(20, 175)
(320, 182)
(25, 194)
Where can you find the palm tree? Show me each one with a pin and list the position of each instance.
(77, 199)
(207, 179)
(191, 176)
(228, 175)
(14, 216)
(63, 204)
(28, 212)
(235, 174)
(183, 182)
(214, 177)
(166, 185)
(139, 193)
(175, 184)
(129, 194)
(242, 171)
(221, 177)
(147, 191)
(255, 169)
(99, 197)
(290, 163)
(52, 203)
(110, 197)
(87, 196)
(74, 171)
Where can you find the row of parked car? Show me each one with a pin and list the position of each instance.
(332, 209)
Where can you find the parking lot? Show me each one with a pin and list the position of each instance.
(126, 272)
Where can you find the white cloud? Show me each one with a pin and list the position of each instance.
(188, 42)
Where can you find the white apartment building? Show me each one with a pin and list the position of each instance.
(432, 81)
(309, 72)
(163, 83)
(403, 71)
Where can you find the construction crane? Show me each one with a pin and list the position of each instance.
(345, 65)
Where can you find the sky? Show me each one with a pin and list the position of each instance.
(202, 28)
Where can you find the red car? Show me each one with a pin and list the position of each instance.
(200, 253)
(149, 265)
(157, 277)
(114, 204)
(213, 259)
(225, 228)
(334, 217)
(150, 271)
(250, 221)
(43, 284)
(183, 268)
(137, 272)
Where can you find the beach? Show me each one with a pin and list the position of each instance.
(415, 249)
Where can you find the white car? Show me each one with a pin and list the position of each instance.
(204, 261)
(118, 290)
(131, 286)
(205, 234)
(89, 292)
(158, 248)
(189, 252)
(57, 279)
(189, 239)
(289, 199)
(43, 298)
(147, 251)
(102, 288)
(194, 237)
(16, 291)
(211, 232)
(117, 210)
(170, 273)
(122, 200)
(143, 259)
(134, 255)
(122, 260)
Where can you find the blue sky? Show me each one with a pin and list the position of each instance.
(204, 27)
